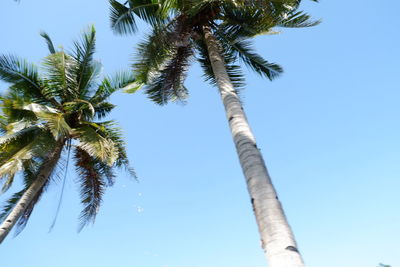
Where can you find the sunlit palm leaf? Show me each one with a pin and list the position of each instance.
(96, 145)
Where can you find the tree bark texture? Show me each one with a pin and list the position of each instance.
(44, 173)
(277, 238)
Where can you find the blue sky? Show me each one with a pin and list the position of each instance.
(328, 128)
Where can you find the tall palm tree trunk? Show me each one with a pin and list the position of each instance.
(277, 238)
(44, 173)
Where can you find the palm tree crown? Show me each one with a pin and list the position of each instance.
(177, 37)
(59, 107)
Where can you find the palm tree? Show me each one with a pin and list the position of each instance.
(217, 33)
(44, 115)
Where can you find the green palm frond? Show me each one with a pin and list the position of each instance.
(15, 130)
(49, 42)
(122, 19)
(103, 109)
(153, 52)
(168, 84)
(123, 16)
(10, 204)
(244, 50)
(110, 130)
(96, 145)
(85, 69)
(23, 149)
(12, 107)
(109, 85)
(298, 20)
(79, 106)
(246, 22)
(54, 120)
(56, 124)
(7, 183)
(23, 76)
(61, 81)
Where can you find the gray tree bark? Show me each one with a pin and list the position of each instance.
(45, 171)
(277, 238)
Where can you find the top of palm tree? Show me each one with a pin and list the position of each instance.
(64, 103)
(177, 37)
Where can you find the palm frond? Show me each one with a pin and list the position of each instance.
(54, 120)
(246, 53)
(96, 145)
(168, 84)
(153, 52)
(82, 107)
(110, 85)
(298, 20)
(111, 131)
(103, 109)
(56, 124)
(86, 69)
(22, 76)
(17, 152)
(246, 22)
(49, 43)
(61, 82)
(92, 184)
(123, 17)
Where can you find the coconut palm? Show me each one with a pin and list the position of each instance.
(46, 114)
(217, 33)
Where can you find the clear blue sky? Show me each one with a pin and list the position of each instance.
(329, 129)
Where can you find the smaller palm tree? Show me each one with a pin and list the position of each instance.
(44, 115)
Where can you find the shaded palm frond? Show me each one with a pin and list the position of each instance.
(3, 124)
(10, 204)
(49, 42)
(153, 52)
(168, 84)
(298, 20)
(123, 16)
(84, 108)
(91, 184)
(103, 109)
(244, 50)
(245, 22)
(122, 19)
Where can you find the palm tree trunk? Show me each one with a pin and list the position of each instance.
(277, 238)
(45, 171)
